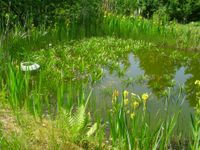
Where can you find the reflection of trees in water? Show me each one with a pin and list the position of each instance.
(193, 68)
(160, 70)
(119, 65)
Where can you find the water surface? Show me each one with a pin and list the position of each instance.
(168, 77)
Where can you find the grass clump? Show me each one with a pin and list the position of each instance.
(23, 131)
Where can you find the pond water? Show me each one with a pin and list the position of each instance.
(169, 81)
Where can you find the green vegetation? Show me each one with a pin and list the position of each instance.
(195, 121)
(57, 106)
(180, 10)
(163, 34)
(131, 130)
(109, 74)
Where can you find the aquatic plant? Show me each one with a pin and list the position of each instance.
(134, 27)
(195, 120)
(129, 126)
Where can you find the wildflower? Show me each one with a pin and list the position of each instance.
(125, 94)
(128, 112)
(50, 44)
(126, 101)
(114, 96)
(197, 82)
(135, 104)
(116, 93)
(145, 96)
(132, 115)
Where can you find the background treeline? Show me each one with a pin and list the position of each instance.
(48, 12)
(181, 10)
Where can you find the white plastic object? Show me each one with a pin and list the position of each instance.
(29, 66)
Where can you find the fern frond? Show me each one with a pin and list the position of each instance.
(92, 130)
(79, 118)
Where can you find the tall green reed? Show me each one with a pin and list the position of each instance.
(31, 91)
(167, 34)
(17, 86)
(195, 144)
(129, 125)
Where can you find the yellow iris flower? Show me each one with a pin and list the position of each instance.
(145, 96)
(197, 82)
(125, 94)
(135, 104)
(132, 115)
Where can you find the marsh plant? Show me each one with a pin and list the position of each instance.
(196, 121)
(139, 28)
(129, 125)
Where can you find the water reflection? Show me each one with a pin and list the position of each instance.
(156, 71)
(160, 70)
(193, 68)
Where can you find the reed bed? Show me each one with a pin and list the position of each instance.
(168, 34)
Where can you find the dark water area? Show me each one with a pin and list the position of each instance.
(167, 76)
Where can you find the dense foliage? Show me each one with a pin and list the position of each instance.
(34, 12)
(46, 12)
(180, 10)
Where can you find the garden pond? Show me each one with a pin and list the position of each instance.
(107, 64)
